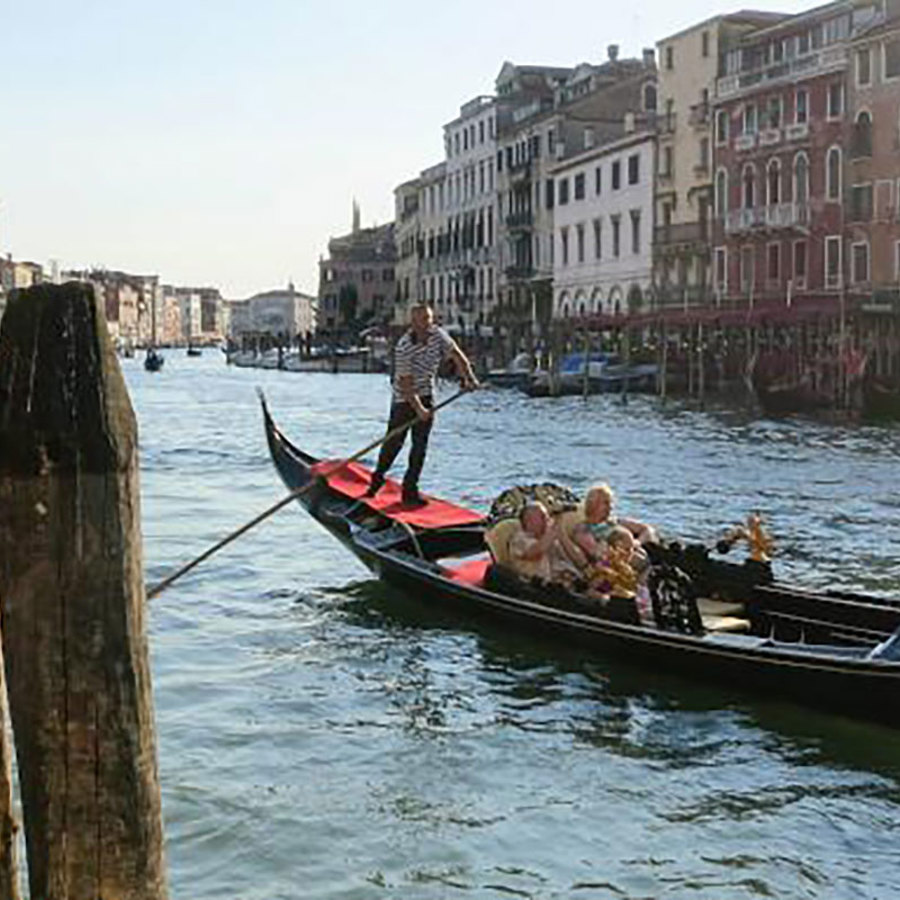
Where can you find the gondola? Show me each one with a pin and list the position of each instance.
(833, 649)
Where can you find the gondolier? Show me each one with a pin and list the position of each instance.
(417, 358)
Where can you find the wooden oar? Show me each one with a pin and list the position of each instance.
(299, 492)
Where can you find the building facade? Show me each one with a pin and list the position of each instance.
(357, 280)
(603, 259)
(554, 115)
(688, 65)
(406, 238)
(780, 109)
(872, 166)
(466, 247)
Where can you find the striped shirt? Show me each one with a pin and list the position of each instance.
(421, 359)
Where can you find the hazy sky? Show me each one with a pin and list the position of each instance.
(222, 142)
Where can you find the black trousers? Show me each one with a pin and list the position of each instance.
(401, 413)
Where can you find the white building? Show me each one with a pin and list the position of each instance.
(603, 256)
(470, 143)
(283, 311)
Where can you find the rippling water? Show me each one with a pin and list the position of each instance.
(323, 736)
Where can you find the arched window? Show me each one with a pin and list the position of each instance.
(801, 179)
(579, 303)
(635, 299)
(563, 304)
(862, 135)
(748, 181)
(649, 98)
(614, 302)
(833, 174)
(721, 193)
(773, 182)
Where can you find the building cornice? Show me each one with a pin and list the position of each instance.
(631, 140)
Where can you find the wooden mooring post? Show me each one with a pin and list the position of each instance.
(9, 872)
(72, 604)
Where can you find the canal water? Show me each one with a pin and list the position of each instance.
(323, 736)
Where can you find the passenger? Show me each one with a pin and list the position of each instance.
(584, 537)
(616, 575)
(529, 548)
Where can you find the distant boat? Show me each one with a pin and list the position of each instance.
(516, 375)
(153, 361)
(194, 351)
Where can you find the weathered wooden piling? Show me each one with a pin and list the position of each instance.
(72, 604)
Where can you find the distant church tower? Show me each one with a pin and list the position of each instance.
(355, 217)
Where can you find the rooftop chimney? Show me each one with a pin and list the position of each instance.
(612, 51)
(649, 56)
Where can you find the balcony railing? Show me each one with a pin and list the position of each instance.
(769, 137)
(519, 171)
(698, 116)
(745, 142)
(520, 220)
(678, 296)
(796, 132)
(776, 215)
(666, 236)
(519, 270)
(786, 70)
(665, 124)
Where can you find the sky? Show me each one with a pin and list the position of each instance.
(222, 143)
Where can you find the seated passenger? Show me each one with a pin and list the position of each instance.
(615, 575)
(584, 536)
(530, 546)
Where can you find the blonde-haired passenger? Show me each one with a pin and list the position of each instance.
(584, 534)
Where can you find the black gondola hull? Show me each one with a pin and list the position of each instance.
(837, 680)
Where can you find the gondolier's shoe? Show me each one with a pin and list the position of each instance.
(411, 498)
(375, 485)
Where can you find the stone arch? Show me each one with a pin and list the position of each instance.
(579, 306)
(614, 300)
(635, 298)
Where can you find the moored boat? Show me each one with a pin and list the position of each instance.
(715, 619)
(154, 360)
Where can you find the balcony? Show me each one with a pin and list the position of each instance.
(519, 171)
(745, 142)
(799, 131)
(665, 124)
(519, 271)
(698, 117)
(770, 137)
(829, 59)
(670, 238)
(682, 296)
(520, 220)
(777, 215)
